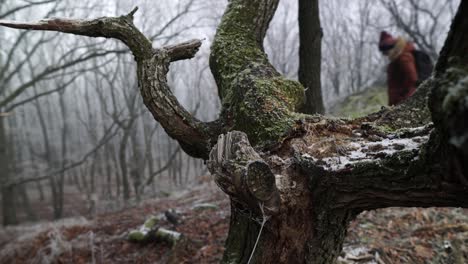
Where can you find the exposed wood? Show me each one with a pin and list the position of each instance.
(241, 172)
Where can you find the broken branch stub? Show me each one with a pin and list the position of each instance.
(242, 174)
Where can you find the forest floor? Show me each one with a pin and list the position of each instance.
(393, 235)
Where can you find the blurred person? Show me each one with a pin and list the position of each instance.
(407, 68)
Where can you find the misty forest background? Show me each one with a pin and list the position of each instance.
(76, 137)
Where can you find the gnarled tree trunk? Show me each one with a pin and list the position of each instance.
(296, 181)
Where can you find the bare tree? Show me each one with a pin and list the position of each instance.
(8, 197)
(351, 62)
(301, 179)
(21, 69)
(310, 55)
(421, 21)
(362, 62)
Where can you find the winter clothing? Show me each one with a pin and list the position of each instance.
(387, 41)
(402, 75)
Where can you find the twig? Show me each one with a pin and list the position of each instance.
(265, 218)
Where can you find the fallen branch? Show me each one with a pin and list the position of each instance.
(150, 231)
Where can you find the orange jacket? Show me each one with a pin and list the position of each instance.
(402, 76)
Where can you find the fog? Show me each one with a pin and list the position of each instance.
(76, 137)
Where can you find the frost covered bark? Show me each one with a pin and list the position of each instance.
(300, 178)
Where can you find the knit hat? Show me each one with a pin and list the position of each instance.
(387, 41)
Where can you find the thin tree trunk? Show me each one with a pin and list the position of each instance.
(76, 179)
(48, 157)
(109, 171)
(101, 179)
(84, 181)
(149, 135)
(26, 203)
(118, 184)
(9, 206)
(310, 51)
(179, 168)
(188, 169)
(91, 120)
(158, 158)
(137, 167)
(8, 193)
(61, 180)
(22, 197)
(123, 163)
(40, 190)
(92, 174)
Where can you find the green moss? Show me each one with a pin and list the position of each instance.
(456, 94)
(385, 129)
(264, 110)
(363, 103)
(151, 222)
(290, 92)
(145, 231)
(450, 93)
(235, 46)
(256, 98)
(136, 236)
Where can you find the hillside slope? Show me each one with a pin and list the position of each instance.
(393, 235)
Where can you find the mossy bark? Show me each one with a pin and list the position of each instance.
(449, 97)
(256, 99)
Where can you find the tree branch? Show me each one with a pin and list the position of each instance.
(184, 50)
(399, 170)
(121, 28)
(194, 136)
(49, 70)
(19, 8)
(166, 166)
(37, 96)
